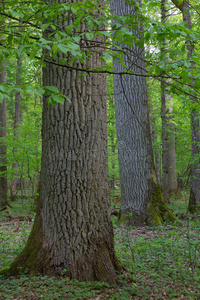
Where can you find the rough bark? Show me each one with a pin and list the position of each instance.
(139, 186)
(3, 167)
(17, 118)
(73, 229)
(194, 200)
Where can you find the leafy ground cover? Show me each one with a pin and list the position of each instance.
(161, 263)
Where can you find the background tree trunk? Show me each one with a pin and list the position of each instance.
(140, 192)
(194, 200)
(155, 142)
(165, 163)
(172, 176)
(73, 229)
(15, 180)
(3, 167)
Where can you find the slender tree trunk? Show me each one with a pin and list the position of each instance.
(140, 192)
(15, 180)
(194, 200)
(112, 181)
(172, 176)
(168, 137)
(3, 167)
(165, 163)
(155, 143)
(112, 146)
(73, 228)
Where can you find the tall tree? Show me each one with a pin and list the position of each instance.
(194, 200)
(164, 118)
(73, 228)
(3, 166)
(140, 192)
(169, 182)
(17, 118)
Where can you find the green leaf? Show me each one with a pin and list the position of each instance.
(187, 63)
(57, 36)
(2, 88)
(76, 39)
(69, 30)
(55, 48)
(58, 98)
(44, 41)
(196, 59)
(52, 89)
(39, 91)
(106, 33)
(33, 53)
(21, 50)
(197, 83)
(89, 36)
(66, 7)
(10, 39)
(147, 36)
(90, 24)
(74, 11)
(44, 26)
(2, 96)
(63, 48)
(106, 56)
(184, 74)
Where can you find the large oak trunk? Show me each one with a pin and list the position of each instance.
(73, 229)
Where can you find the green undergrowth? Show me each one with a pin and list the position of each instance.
(18, 208)
(161, 263)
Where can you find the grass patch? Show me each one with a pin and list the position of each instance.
(161, 263)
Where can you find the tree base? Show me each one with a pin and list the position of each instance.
(154, 215)
(99, 263)
(193, 207)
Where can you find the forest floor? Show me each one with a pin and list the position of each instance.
(161, 262)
